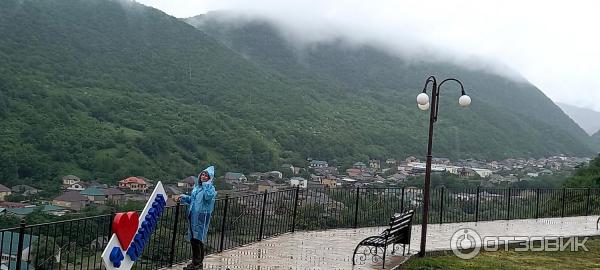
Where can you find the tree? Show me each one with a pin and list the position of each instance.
(587, 176)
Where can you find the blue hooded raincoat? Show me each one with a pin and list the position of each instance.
(201, 204)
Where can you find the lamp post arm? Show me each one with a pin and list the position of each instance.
(462, 88)
(431, 79)
(439, 87)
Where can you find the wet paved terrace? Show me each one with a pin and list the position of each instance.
(332, 249)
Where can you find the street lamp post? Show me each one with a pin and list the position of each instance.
(424, 104)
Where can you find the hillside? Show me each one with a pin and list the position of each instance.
(107, 89)
(586, 176)
(596, 139)
(510, 118)
(587, 119)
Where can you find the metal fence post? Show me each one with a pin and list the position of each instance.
(356, 208)
(222, 242)
(537, 203)
(442, 206)
(173, 240)
(508, 212)
(587, 202)
(562, 211)
(20, 245)
(402, 201)
(295, 209)
(477, 206)
(262, 216)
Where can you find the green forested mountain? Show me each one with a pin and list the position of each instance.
(106, 89)
(510, 118)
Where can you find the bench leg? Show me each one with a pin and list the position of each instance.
(354, 255)
(403, 249)
(384, 251)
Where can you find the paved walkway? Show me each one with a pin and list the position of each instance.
(332, 249)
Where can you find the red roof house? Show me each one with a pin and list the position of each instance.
(134, 183)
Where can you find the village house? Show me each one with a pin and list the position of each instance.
(348, 182)
(69, 180)
(466, 172)
(484, 173)
(25, 190)
(78, 186)
(257, 176)
(187, 183)
(95, 195)
(329, 183)
(359, 165)
(4, 191)
(353, 172)
(233, 176)
(115, 196)
(134, 184)
(411, 159)
(72, 200)
(275, 175)
(374, 164)
(318, 164)
(391, 162)
(316, 178)
(298, 182)
(326, 171)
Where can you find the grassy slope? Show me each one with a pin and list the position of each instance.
(515, 260)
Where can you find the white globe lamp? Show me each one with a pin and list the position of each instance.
(422, 99)
(464, 101)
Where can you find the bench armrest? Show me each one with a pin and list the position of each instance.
(385, 233)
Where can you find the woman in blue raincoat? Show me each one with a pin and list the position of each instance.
(201, 203)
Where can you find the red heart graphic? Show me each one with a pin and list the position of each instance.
(125, 225)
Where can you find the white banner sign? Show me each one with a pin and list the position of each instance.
(132, 231)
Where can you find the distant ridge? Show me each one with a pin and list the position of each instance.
(587, 119)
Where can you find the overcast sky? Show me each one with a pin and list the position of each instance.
(554, 44)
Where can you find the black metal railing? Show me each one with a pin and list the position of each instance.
(78, 243)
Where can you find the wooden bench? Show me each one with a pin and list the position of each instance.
(397, 234)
